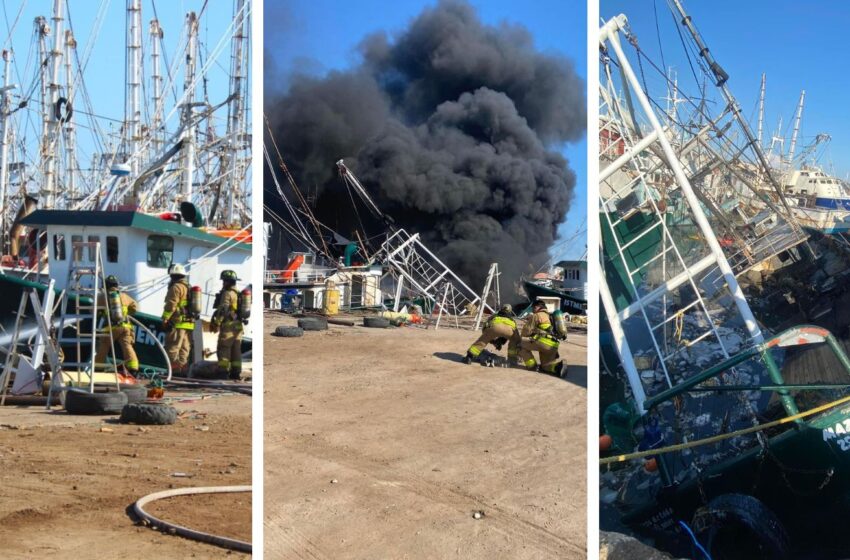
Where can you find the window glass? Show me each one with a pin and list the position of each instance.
(93, 248)
(111, 248)
(160, 251)
(78, 250)
(59, 247)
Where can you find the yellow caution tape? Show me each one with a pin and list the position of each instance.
(721, 437)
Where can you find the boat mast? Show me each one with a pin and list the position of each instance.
(4, 144)
(50, 139)
(235, 111)
(70, 132)
(132, 114)
(721, 77)
(761, 106)
(156, 89)
(188, 103)
(797, 120)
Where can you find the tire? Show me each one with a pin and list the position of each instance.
(313, 324)
(288, 332)
(735, 526)
(376, 322)
(136, 392)
(78, 401)
(149, 414)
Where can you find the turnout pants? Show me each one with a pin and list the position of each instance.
(123, 338)
(178, 345)
(490, 334)
(549, 359)
(229, 352)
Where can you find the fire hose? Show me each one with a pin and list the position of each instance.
(173, 528)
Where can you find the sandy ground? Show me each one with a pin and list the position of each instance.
(382, 444)
(67, 482)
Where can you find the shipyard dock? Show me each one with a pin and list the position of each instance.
(381, 443)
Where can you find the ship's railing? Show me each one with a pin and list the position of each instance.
(281, 276)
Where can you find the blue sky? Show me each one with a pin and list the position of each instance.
(799, 45)
(321, 35)
(104, 74)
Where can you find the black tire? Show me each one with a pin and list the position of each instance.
(288, 332)
(78, 401)
(313, 324)
(376, 322)
(736, 526)
(149, 414)
(136, 392)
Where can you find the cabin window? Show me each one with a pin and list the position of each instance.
(76, 248)
(111, 248)
(93, 248)
(160, 251)
(59, 247)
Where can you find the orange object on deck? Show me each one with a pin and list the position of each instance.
(605, 442)
(243, 235)
(288, 273)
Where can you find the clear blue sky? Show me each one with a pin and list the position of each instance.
(104, 74)
(799, 45)
(321, 35)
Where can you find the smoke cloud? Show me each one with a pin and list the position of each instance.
(453, 127)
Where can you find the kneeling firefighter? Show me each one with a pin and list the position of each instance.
(232, 310)
(178, 320)
(499, 328)
(541, 336)
(119, 306)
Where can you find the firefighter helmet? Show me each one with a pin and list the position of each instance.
(111, 281)
(506, 310)
(229, 275)
(177, 270)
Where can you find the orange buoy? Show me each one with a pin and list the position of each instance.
(651, 465)
(605, 442)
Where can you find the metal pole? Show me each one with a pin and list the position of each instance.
(4, 145)
(796, 128)
(235, 110)
(761, 106)
(156, 90)
(53, 124)
(132, 113)
(70, 132)
(189, 89)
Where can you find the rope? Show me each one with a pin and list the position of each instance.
(721, 437)
(209, 538)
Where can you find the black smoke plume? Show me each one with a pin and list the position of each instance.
(452, 126)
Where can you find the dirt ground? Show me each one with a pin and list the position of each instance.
(67, 482)
(382, 444)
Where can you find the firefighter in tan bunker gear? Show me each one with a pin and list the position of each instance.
(123, 335)
(538, 335)
(227, 322)
(499, 328)
(178, 320)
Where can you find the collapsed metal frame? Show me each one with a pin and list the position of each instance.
(692, 275)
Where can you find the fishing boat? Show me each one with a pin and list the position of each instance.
(715, 446)
(170, 185)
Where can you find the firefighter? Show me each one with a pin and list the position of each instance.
(227, 321)
(539, 335)
(499, 328)
(178, 320)
(122, 334)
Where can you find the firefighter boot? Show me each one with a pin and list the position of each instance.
(469, 358)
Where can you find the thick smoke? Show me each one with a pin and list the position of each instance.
(447, 125)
